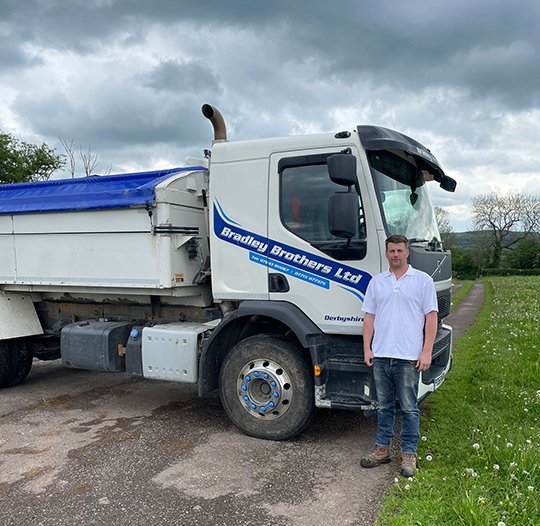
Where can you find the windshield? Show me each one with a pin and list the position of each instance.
(395, 181)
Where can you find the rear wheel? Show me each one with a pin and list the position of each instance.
(5, 363)
(21, 361)
(266, 388)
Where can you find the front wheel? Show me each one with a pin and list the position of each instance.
(266, 388)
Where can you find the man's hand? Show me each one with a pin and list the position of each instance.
(369, 323)
(424, 361)
(368, 357)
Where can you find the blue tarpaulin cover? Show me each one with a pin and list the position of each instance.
(88, 193)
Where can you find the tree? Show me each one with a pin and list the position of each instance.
(463, 264)
(22, 162)
(525, 255)
(445, 228)
(507, 219)
(70, 156)
(89, 159)
(483, 248)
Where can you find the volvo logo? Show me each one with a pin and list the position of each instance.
(438, 268)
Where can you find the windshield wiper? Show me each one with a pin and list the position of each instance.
(434, 244)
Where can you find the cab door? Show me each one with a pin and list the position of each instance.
(324, 275)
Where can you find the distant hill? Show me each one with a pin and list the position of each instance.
(466, 240)
(469, 240)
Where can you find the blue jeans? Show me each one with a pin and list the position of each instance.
(397, 380)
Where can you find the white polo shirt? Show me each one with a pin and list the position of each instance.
(400, 307)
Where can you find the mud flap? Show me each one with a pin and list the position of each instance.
(18, 316)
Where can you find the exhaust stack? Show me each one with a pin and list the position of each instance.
(215, 117)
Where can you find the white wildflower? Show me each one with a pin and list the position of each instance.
(476, 446)
(509, 444)
(496, 467)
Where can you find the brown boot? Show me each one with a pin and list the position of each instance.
(379, 455)
(408, 464)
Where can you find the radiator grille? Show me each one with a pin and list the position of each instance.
(442, 343)
(444, 304)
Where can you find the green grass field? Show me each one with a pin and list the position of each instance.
(480, 450)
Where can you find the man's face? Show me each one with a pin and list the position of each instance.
(397, 254)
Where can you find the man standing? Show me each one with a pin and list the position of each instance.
(400, 325)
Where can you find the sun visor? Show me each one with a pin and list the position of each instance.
(374, 138)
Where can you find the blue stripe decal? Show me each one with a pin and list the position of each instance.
(359, 296)
(292, 258)
(223, 214)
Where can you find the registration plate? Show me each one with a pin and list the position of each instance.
(439, 380)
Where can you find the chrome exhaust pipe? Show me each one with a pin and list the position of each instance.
(215, 117)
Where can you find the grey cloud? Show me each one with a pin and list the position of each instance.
(65, 25)
(13, 58)
(113, 116)
(171, 75)
(486, 47)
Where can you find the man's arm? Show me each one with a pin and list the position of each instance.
(430, 331)
(369, 324)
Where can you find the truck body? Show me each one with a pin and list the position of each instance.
(245, 272)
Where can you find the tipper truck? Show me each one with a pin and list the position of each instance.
(244, 272)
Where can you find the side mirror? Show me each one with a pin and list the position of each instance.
(343, 214)
(342, 169)
(448, 184)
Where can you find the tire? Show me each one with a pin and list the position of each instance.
(21, 361)
(266, 388)
(5, 363)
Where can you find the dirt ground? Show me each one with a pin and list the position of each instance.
(78, 447)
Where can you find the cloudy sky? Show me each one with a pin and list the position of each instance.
(128, 78)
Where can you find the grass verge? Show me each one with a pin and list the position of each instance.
(480, 449)
(462, 292)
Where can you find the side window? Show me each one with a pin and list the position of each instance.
(305, 192)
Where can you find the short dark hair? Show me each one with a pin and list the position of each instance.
(397, 239)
